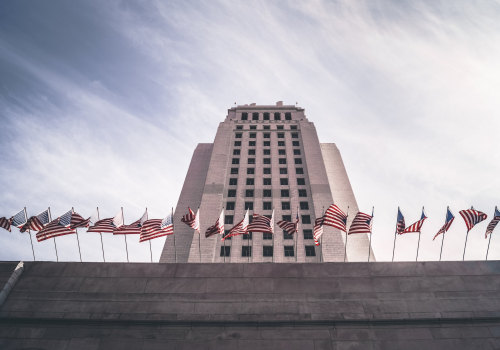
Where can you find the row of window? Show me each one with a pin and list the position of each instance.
(305, 219)
(268, 205)
(267, 251)
(266, 151)
(266, 135)
(283, 171)
(266, 181)
(308, 234)
(266, 161)
(266, 143)
(267, 193)
(267, 127)
(266, 116)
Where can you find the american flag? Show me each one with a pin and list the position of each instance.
(19, 219)
(362, 223)
(192, 220)
(155, 228)
(260, 223)
(36, 223)
(493, 223)
(318, 229)
(107, 225)
(5, 223)
(449, 220)
(217, 228)
(335, 217)
(289, 227)
(400, 223)
(241, 228)
(417, 226)
(132, 229)
(57, 227)
(78, 221)
(472, 217)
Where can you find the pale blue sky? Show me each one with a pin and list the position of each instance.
(98, 101)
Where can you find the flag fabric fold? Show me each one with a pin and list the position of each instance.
(78, 221)
(318, 229)
(493, 223)
(400, 222)
(18, 219)
(417, 226)
(106, 225)
(241, 228)
(132, 229)
(155, 228)
(5, 223)
(448, 221)
(335, 217)
(57, 227)
(36, 223)
(362, 223)
(289, 227)
(217, 228)
(192, 220)
(260, 223)
(472, 217)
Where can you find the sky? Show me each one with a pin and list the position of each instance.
(98, 100)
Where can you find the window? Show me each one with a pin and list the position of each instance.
(282, 160)
(285, 193)
(283, 181)
(251, 160)
(277, 116)
(279, 127)
(230, 206)
(283, 171)
(248, 193)
(267, 205)
(281, 143)
(308, 234)
(301, 181)
(236, 160)
(289, 250)
(238, 135)
(285, 205)
(250, 181)
(295, 135)
(295, 143)
(233, 181)
(267, 250)
(267, 127)
(251, 143)
(266, 116)
(296, 152)
(267, 171)
(267, 160)
(286, 217)
(228, 220)
(250, 171)
(267, 235)
(299, 171)
(231, 193)
(247, 236)
(288, 116)
(267, 152)
(236, 152)
(281, 152)
(293, 127)
(249, 205)
(281, 135)
(304, 205)
(310, 251)
(286, 235)
(298, 160)
(267, 181)
(226, 233)
(237, 143)
(251, 152)
(266, 193)
(234, 170)
(246, 251)
(253, 127)
(302, 193)
(239, 127)
(306, 219)
(225, 250)
(267, 143)
(244, 116)
(255, 116)
(267, 135)
(253, 135)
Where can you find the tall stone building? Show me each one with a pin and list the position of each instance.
(265, 157)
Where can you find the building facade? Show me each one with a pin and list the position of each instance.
(265, 158)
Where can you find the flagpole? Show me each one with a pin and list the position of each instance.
(296, 236)
(77, 239)
(29, 232)
(487, 250)
(272, 242)
(444, 232)
(199, 232)
(466, 237)
(321, 237)
(150, 249)
(346, 235)
(418, 244)
(370, 237)
(175, 249)
(55, 245)
(125, 236)
(100, 233)
(395, 234)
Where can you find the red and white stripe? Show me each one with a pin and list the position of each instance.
(132, 229)
(260, 223)
(192, 220)
(362, 223)
(444, 228)
(52, 230)
(78, 221)
(417, 226)
(217, 228)
(241, 228)
(472, 217)
(5, 223)
(493, 223)
(152, 228)
(335, 217)
(318, 229)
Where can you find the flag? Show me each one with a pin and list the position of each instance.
(217, 228)
(78, 221)
(447, 223)
(57, 227)
(362, 223)
(318, 229)
(18, 219)
(472, 217)
(400, 223)
(417, 226)
(335, 217)
(289, 227)
(36, 223)
(241, 228)
(192, 220)
(260, 223)
(155, 228)
(493, 223)
(5, 223)
(272, 222)
(107, 225)
(132, 229)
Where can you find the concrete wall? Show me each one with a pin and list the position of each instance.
(431, 305)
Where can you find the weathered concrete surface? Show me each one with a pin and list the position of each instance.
(432, 305)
